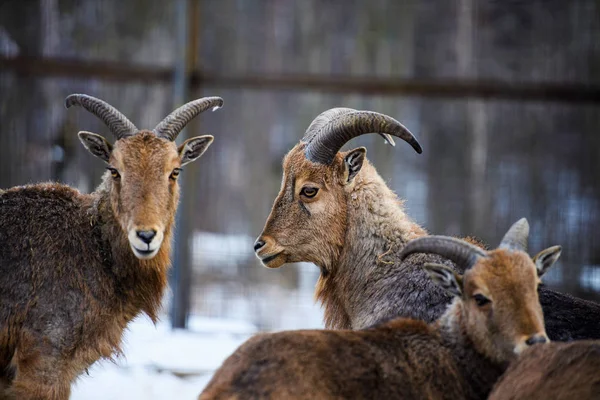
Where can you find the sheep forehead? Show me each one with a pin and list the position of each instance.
(295, 164)
(146, 153)
(503, 273)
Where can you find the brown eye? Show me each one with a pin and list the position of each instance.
(175, 173)
(114, 173)
(309, 192)
(481, 300)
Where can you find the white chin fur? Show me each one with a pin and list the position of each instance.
(144, 255)
(142, 250)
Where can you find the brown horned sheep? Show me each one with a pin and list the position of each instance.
(76, 268)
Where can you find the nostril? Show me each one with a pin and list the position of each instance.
(258, 244)
(146, 236)
(536, 339)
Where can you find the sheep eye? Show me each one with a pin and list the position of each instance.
(175, 173)
(114, 173)
(309, 192)
(481, 300)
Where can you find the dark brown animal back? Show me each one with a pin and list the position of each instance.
(46, 237)
(399, 360)
(558, 371)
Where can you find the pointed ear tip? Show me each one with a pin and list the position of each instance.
(85, 134)
(208, 140)
(434, 267)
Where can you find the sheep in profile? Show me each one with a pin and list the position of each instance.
(76, 268)
(495, 315)
(555, 371)
(335, 211)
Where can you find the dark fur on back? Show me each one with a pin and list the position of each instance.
(558, 371)
(69, 283)
(402, 359)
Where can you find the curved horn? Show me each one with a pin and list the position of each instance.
(327, 116)
(333, 128)
(516, 237)
(118, 124)
(460, 252)
(174, 123)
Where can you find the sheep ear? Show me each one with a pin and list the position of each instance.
(193, 148)
(353, 162)
(546, 258)
(96, 144)
(444, 277)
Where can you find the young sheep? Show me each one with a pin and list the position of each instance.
(495, 315)
(335, 211)
(556, 371)
(76, 268)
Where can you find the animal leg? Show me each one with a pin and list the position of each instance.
(41, 376)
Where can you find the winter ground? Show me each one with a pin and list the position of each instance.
(161, 363)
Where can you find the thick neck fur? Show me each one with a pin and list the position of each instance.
(139, 284)
(377, 230)
(479, 371)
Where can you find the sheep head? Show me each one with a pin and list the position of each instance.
(308, 219)
(143, 167)
(498, 290)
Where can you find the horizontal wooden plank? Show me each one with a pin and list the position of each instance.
(444, 88)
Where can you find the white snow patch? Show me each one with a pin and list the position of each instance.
(162, 363)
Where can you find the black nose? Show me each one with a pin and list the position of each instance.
(146, 236)
(258, 244)
(535, 339)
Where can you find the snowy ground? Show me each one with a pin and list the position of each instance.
(161, 363)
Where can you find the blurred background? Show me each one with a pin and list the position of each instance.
(504, 97)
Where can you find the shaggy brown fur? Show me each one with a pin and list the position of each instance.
(556, 371)
(69, 280)
(459, 357)
(353, 230)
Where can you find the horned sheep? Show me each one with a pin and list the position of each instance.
(495, 315)
(76, 268)
(335, 210)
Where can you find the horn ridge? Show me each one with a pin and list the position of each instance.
(334, 128)
(463, 254)
(174, 123)
(119, 124)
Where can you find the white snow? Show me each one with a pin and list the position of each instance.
(161, 363)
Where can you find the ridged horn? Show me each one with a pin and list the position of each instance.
(174, 123)
(516, 237)
(327, 116)
(463, 254)
(118, 123)
(335, 127)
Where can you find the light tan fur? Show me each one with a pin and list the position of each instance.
(353, 230)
